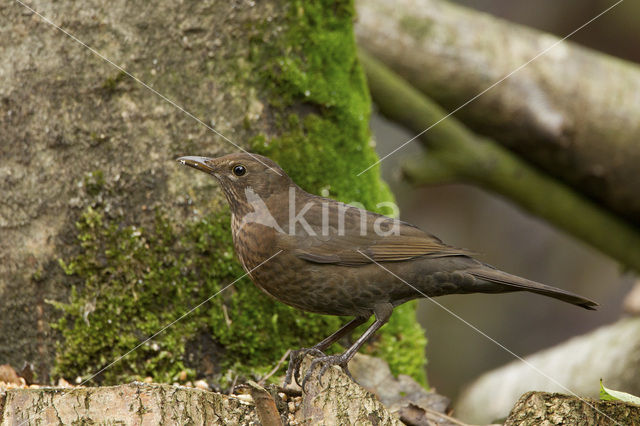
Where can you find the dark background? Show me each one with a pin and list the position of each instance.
(507, 237)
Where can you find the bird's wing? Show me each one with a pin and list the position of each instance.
(385, 249)
(380, 243)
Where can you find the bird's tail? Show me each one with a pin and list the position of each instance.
(517, 283)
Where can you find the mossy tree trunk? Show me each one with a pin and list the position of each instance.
(97, 216)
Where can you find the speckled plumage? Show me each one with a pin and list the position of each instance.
(340, 260)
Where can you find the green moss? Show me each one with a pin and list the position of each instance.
(313, 66)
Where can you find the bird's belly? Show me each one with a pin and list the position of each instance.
(324, 289)
(316, 289)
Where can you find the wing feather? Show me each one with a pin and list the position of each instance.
(396, 248)
(343, 248)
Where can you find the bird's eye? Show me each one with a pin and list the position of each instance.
(239, 170)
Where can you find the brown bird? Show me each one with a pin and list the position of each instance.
(324, 256)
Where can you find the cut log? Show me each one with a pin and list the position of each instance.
(540, 408)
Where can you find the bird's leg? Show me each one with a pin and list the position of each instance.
(297, 356)
(382, 312)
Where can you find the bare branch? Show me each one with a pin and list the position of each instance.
(455, 153)
(572, 111)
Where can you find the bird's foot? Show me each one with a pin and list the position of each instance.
(295, 361)
(327, 361)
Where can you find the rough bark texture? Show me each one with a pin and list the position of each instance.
(539, 408)
(132, 404)
(611, 353)
(453, 153)
(340, 402)
(573, 112)
(337, 400)
(81, 142)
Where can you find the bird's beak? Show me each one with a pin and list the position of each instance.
(203, 164)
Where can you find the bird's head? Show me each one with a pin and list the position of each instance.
(242, 172)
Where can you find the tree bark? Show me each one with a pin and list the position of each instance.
(572, 111)
(336, 399)
(132, 404)
(453, 153)
(535, 408)
(611, 353)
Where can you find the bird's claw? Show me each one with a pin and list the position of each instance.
(295, 361)
(327, 362)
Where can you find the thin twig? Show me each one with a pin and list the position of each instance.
(233, 385)
(276, 368)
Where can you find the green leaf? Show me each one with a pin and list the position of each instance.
(613, 395)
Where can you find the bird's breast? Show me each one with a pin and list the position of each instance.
(254, 243)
